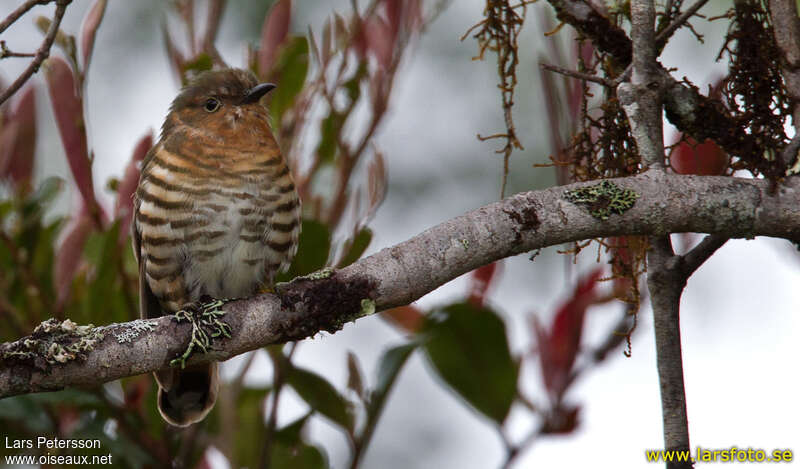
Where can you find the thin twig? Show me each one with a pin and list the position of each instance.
(41, 54)
(578, 75)
(514, 451)
(6, 52)
(15, 15)
(662, 38)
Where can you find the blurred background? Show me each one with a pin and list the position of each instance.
(739, 311)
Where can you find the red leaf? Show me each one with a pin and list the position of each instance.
(135, 392)
(705, 159)
(408, 318)
(176, 58)
(559, 347)
(69, 255)
(89, 30)
(379, 40)
(68, 110)
(273, 35)
(480, 280)
(8, 140)
(18, 142)
(127, 186)
(394, 15)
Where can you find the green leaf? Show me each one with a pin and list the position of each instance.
(202, 63)
(293, 64)
(467, 347)
(355, 380)
(321, 396)
(104, 301)
(34, 206)
(389, 366)
(250, 404)
(330, 127)
(299, 456)
(293, 432)
(356, 247)
(312, 251)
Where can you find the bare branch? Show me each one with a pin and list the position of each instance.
(21, 10)
(403, 273)
(577, 75)
(41, 54)
(663, 37)
(692, 113)
(665, 283)
(786, 27)
(6, 52)
(693, 259)
(641, 99)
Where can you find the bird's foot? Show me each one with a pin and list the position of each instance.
(207, 324)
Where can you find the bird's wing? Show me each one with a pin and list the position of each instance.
(149, 306)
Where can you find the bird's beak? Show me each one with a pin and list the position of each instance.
(255, 93)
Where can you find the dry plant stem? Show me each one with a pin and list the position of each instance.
(41, 54)
(786, 26)
(398, 275)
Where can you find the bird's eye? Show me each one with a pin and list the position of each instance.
(211, 105)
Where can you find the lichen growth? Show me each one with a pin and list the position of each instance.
(135, 329)
(465, 243)
(54, 342)
(207, 325)
(318, 275)
(604, 199)
(367, 307)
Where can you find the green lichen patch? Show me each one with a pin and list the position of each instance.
(53, 342)
(367, 307)
(207, 325)
(318, 275)
(604, 199)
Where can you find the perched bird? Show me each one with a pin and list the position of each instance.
(216, 215)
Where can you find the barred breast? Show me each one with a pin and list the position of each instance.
(218, 230)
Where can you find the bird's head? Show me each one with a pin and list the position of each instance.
(221, 103)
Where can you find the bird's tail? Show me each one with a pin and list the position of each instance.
(187, 396)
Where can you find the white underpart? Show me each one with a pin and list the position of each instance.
(225, 275)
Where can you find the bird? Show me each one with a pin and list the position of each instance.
(216, 215)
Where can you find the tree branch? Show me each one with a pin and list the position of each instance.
(403, 273)
(666, 282)
(21, 10)
(44, 49)
(692, 113)
(663, 36)
(786, 27)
